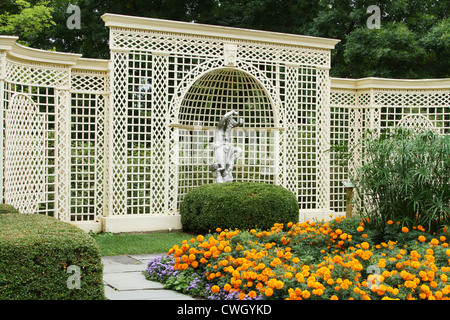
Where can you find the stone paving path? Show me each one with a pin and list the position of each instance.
(123, 280)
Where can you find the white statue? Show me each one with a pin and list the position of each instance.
(224, 153)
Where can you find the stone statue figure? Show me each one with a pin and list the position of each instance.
(224, 153)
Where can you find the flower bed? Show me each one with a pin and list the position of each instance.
(311, 260)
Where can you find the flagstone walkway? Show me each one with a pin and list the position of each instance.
(124, 280)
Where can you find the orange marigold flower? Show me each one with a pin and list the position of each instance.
(279, 284)
(390, 222)
(434, 241)
(360, 229)
(365, 245)
(268, 292)
(422, 239)
(215, 289)
(306, 294)
(405, 230)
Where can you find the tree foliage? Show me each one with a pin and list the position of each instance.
(412, 41)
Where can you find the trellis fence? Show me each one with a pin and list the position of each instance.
(116, 144)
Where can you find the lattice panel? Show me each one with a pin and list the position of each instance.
(339, 136)
(416, 122)
(63, 154)
(88, 81)
(159, 138)
(307, 138)
(290, 165)
(118, 134)
(151, 41)
(397, 104)
(342, 133)
(44, 98)
(323, 139)
(219, 91)
(36, 74)
(86, 180)
(24, 154)
(284, 54)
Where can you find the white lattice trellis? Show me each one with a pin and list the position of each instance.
(24, 154)
(124, 140)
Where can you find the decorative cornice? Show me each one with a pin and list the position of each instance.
(393, 84)
(151, 24)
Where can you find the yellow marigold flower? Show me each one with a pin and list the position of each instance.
(360, 229)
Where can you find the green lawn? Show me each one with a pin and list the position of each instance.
(142, 243)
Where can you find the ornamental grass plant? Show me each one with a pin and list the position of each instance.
(405, 176)
(336, 260)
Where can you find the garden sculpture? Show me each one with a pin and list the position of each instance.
(224, 153)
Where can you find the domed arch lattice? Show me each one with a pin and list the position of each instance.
(203, 105)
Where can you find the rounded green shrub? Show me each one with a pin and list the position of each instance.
(43, 258)
(242, 205)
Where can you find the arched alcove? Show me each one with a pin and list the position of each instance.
(207, 100)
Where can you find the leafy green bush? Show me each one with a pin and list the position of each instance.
(37, 253)
(7, 208)
(406, 177)
(242, 205)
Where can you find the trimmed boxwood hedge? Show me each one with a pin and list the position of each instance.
(242, 205)
(36, 251)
